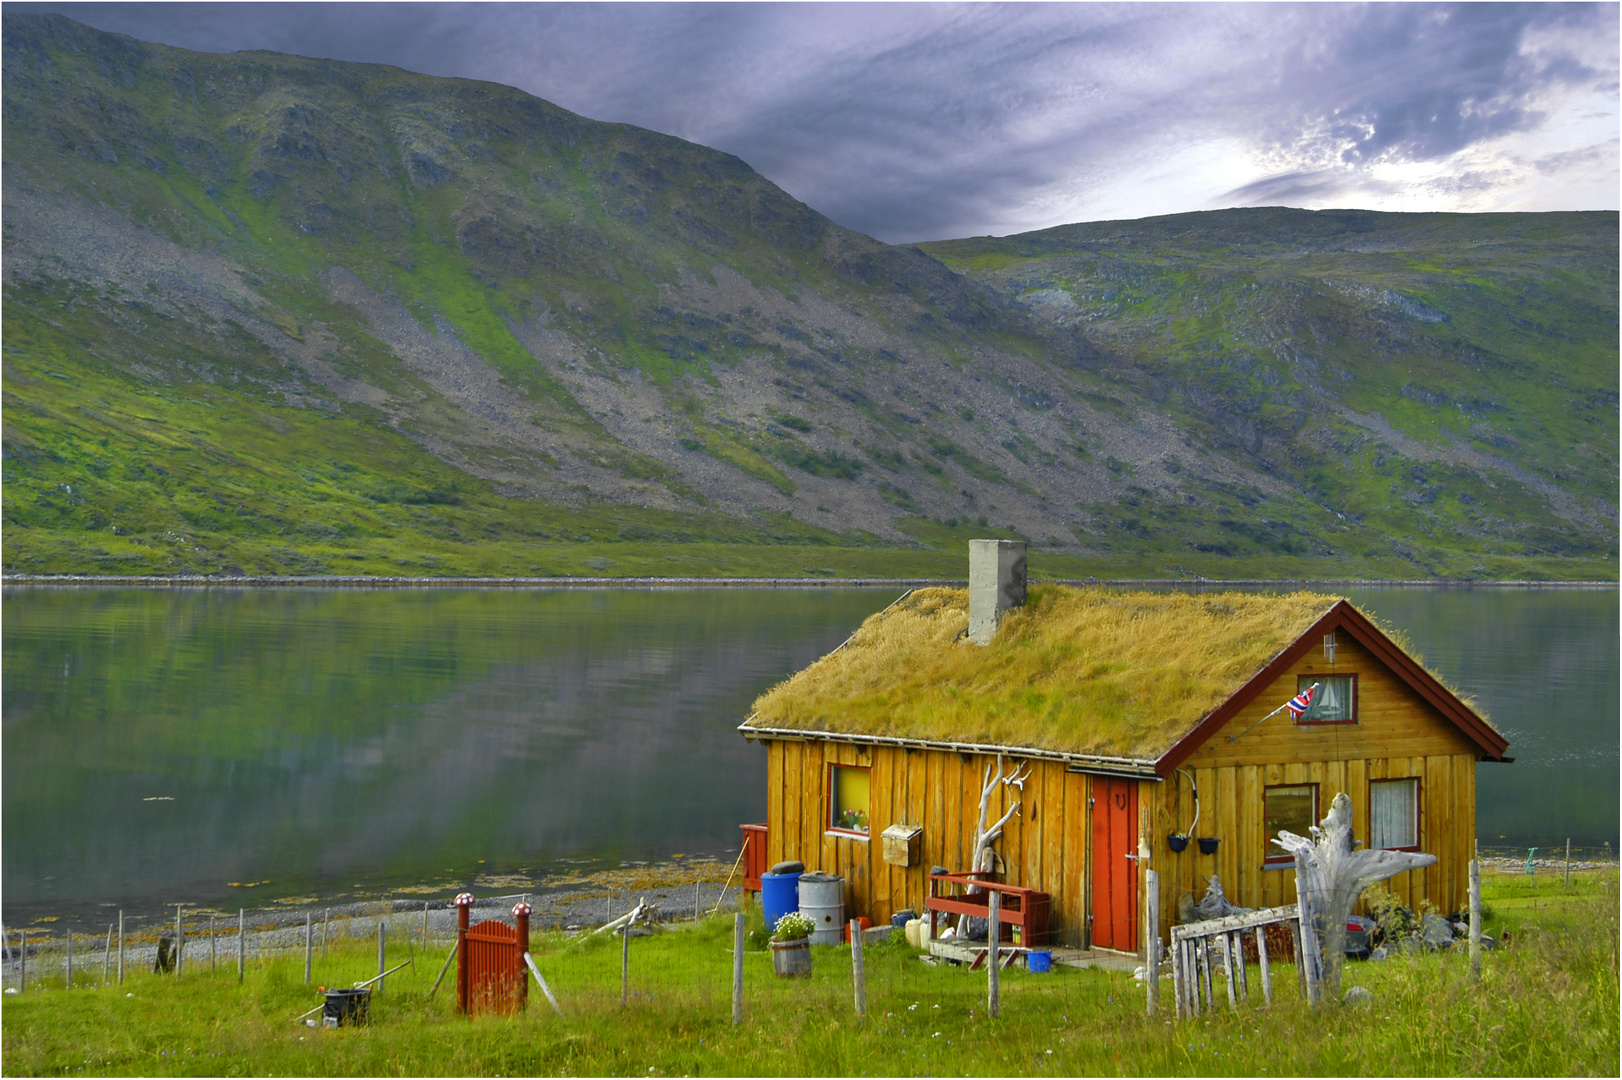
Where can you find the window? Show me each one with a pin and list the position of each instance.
(848, 800)
(1394, 814)
(1336, 700)
(1293, 807)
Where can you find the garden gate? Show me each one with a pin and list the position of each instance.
(490, 975)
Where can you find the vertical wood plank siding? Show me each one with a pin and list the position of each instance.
(941, 792)
(1397, 736)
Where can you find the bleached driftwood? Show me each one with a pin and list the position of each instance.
(984, 859)
(1214, 904)
(628, 919)
(1330, 874)
(1198, 947)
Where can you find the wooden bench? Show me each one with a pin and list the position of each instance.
(1025, 908)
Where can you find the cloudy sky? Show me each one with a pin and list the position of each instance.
(921, 121)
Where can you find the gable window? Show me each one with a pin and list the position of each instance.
(847, 799)
(1394, 814)
(1288, 806)
(1335, 702)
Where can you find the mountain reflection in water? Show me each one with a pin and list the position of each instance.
(163, 744)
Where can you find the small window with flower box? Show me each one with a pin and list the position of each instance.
(848, 800)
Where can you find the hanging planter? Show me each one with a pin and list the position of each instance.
(1208, 845)
(1176, 841)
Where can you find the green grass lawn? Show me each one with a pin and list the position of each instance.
(1547, 1005)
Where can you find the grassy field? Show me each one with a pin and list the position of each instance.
(1547, 1005)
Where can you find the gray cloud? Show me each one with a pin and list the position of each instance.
(918, 121)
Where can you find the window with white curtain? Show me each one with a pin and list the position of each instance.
(1394, 814)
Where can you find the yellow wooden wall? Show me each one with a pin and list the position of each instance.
(1048, 846)
(1045, 847)
(1397, 735)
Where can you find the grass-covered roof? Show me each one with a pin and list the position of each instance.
(1084, 671)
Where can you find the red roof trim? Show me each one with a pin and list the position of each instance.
(1342, 616)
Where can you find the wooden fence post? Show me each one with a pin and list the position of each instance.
(737, 968)
(70, 960)
(857, 971)
(22, 965)
(1568, 862)
(1151, 921)
(213, 952)
(309, 937)
(382, 966)
(120, 946)
(242, 943)
(107, 954)
(1307, 955)
(463, 902)
(625, 960)
(1261, 955)
(180, 937)
(993, 940)
(1475, 918)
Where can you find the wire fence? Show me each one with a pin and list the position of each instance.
(201, 939)
(1551, 855)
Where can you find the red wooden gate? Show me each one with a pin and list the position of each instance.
(490, 970)
(1115, 876)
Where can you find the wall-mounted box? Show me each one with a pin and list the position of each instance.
(902, 844)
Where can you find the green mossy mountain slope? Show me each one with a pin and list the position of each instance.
(266, 314)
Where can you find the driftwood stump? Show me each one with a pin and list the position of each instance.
(984, 857)
(165, 962)
(1329, 877)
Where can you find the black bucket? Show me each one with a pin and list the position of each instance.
(346, 1007)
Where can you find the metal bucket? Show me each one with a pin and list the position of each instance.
(778, 896)
(822, 900)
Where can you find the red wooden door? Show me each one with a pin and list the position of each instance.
(1115, 877)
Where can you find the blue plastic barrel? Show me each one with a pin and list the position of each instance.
(779, 895)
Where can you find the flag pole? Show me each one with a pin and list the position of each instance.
(1269, 716)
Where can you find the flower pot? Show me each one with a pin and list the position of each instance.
(1176, 843)
(791, 958)
(1208, 845)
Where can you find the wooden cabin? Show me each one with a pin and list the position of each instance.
(1127, 712)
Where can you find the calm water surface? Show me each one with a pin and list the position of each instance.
(180, 745)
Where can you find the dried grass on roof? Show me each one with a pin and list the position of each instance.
(1091, 671)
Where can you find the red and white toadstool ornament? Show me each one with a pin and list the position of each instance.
(521, 908)
(463, 900)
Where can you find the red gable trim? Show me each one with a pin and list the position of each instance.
(1343, 616)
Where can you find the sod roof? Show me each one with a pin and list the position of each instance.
(1081, 671)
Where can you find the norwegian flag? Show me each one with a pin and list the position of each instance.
(1301, 702)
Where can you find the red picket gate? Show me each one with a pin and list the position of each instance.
(490, 970)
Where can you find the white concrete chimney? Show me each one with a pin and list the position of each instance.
(996, 583)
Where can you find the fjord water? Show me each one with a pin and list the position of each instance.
(233, 747)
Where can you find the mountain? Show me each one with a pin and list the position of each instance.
(1438, 379)
(267, 314)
